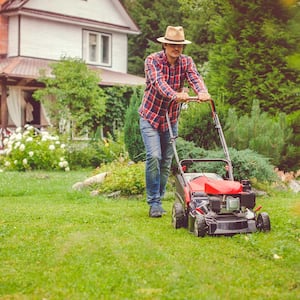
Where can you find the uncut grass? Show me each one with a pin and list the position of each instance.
(56, 243)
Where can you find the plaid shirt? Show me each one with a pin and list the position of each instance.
(162, 83)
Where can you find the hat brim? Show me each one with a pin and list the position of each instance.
(165, 41)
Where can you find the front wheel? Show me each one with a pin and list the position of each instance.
(263, 222)
(200, 226)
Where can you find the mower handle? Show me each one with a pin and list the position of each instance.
(217, 126)
(196, 99)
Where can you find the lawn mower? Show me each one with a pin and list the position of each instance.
(207, 202)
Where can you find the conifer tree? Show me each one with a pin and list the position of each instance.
(132, 135)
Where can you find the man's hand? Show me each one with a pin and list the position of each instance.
(182, 97)
(204, 96)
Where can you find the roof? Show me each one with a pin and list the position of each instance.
(17, 69)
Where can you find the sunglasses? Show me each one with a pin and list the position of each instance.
(175, 45)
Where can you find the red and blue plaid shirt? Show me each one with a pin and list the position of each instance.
(162, 83)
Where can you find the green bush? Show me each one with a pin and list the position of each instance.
(117, 102)
(31, 150)
(290, 160)
(124, 176)
(247, 164)
(132, 138)
(196, 124)
(258, 132)
(96, 152)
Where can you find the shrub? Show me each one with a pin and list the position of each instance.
(196, 124)
(117, 102)
(133, 139)
(247, 164)
(96, 152)
(124, 176)
(32, 150)
(290, 160)
(258, 132)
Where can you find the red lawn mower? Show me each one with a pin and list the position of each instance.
(208, 203)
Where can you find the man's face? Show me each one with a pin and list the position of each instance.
(173, 51)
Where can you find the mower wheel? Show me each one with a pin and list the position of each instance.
(200, 226)
(263, 222)
(178, 216)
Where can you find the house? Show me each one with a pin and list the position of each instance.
(34, 33)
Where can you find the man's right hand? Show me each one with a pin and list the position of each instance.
(182, 97)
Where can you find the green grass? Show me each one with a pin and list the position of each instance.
(56, 243)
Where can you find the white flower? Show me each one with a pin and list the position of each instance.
(5, 141)
(18, 130)
(57, 142)
(15, 162)
(67, 169)
(19, 136)
(7, 164)
(7, 151)
(45, 136)
(25, 161)
(1, 170)
(63, 164)
(28, 127)
(29, 139)
(30, 153)
(22, 147)
(62, 146)
(17, 145)
(51, 147)
(12, 137)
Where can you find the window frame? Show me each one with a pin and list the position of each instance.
(100, 48)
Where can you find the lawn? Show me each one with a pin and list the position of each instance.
(57, 243)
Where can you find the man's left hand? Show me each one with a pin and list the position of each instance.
(204, 96)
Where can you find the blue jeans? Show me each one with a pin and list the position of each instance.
(159, 154)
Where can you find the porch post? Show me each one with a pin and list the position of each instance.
(4, 111)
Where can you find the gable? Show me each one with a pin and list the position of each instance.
(110, 12)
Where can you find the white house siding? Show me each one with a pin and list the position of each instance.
(99, 10)
(51, 40)
(119, 52)
(13, 36)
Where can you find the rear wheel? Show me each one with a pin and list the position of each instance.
(263, 222)
(200, 226)
(178, 216)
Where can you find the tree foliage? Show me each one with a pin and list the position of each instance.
(72, 94)
(117, 102)
(152, 19)
(132, 138)
(258, 132)
(196, 124)
(249, 58)
(245, 50)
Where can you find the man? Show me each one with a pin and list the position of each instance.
(166, 72)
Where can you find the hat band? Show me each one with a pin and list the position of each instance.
(173, 40)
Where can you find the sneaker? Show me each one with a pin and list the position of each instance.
(155, 212)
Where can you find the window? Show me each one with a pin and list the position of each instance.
(97, 48)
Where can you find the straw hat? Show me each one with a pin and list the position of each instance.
(174, 35)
